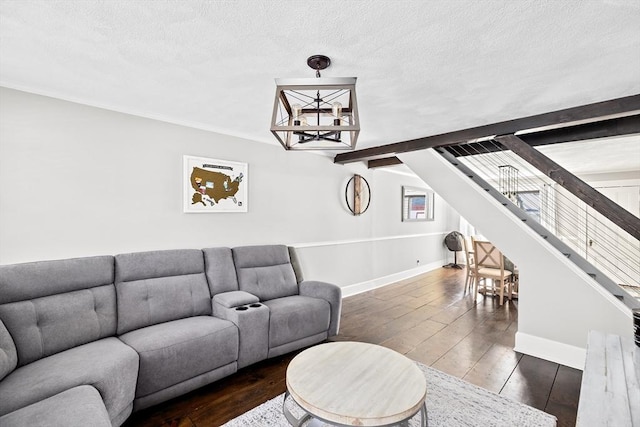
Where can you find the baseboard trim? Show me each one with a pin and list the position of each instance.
(358, 288)
(553, 351)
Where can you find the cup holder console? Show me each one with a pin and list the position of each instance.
(246, 307)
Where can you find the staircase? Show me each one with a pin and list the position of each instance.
(568, 251)
(561, 295)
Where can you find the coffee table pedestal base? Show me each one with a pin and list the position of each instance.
(315, 422)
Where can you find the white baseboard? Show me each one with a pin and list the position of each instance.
(553, 351)
(368, 285)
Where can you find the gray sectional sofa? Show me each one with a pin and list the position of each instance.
(86, 341)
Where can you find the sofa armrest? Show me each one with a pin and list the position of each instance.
(328, 292)
(77, 406)
(235, 299)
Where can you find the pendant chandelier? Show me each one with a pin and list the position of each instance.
(316, 113)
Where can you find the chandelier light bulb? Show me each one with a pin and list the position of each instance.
(296, 109)
(337, 113)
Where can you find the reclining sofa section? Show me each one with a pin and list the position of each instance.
(89, 340)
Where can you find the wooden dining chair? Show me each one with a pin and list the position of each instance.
(469, 283)
(515, 282)
(489, 264)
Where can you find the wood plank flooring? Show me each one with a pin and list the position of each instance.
(428, 318)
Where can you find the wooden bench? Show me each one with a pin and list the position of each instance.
(610, 390)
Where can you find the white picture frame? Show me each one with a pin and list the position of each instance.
(214, 185)
(417, 204)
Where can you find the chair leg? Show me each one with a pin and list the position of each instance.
(468, 284)
(476, 285)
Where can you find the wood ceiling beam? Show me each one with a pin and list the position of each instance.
(628, 125)
(387, 161)
(591, 112)
(619, 216)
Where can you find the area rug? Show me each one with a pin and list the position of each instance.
(451, 402)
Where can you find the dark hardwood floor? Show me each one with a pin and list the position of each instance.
(428, 318)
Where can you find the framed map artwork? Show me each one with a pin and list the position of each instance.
(213, 185)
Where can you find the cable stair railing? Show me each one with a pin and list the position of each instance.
(603, 250)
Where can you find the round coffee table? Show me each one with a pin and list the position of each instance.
(355, 384)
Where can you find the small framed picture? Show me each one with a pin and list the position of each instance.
(214, 185)
(417, 204)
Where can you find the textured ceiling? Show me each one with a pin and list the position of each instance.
(423, 67)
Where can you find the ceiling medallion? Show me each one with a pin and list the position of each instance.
(318, 113)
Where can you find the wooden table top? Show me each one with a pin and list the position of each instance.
(610, 391)
(354, 383)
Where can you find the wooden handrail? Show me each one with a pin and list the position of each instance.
(607, 207)
(592, 112)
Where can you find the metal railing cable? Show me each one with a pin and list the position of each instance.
(576, 204)
(568, 216)
(498, 159)
(560, 211)
(484, 166)
(571, 220)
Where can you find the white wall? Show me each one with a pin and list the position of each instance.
(79, 181)
(558, 303)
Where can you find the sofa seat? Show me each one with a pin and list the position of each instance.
(107, 364)
(296, 317)
(177, 351)
(77, 407)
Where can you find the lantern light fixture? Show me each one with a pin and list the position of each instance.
(318, 113)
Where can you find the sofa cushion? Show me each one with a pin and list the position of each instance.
(108, 365)
(265, 271)
(176, 351)
(8, 352)
(296, 317)
(160, 286)
(221, 272)
(44, 326)
(77, 407)
(51, 306)
(19, 282)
